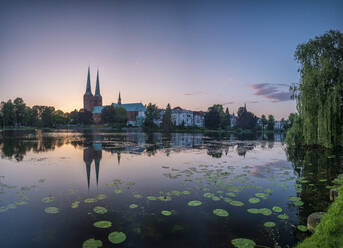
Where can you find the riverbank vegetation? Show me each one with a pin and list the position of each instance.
(319, 94)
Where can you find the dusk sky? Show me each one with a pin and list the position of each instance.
(191, 54)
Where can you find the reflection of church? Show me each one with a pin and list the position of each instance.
(91, 153)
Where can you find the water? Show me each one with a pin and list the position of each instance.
(176, 169)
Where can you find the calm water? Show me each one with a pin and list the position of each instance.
(126, 168)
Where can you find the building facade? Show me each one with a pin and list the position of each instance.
(89, 100)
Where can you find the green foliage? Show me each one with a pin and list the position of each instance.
(270, 123)
(319, 94)
(329, 232)
(152, 113)
(215, 118)
(167, 123)
(245, 119)
(264, 121)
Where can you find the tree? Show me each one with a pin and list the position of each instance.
(319, 93)
(226, 122)
(245, 119)
(152, 113)
(20, 111)
(271, 123)
(166, 120)
(85, 117)
(263, 122)
(120, 115)
(212, 118)
(108, 115)
(60, 117)
(8, 113)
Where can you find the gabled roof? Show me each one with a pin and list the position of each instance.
(130, 107)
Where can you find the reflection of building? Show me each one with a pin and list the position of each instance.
(91, 153)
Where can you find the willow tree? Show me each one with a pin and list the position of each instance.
(319, 94)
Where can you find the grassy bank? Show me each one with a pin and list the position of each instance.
(329, 232)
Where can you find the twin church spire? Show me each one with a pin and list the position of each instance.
(89, 88)
(90, 101)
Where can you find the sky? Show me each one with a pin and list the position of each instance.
(191, 54)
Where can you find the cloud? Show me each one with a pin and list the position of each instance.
(197, 93)
(274, 92)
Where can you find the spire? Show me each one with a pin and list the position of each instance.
(97, 88)
(88, 88)
(119, 99)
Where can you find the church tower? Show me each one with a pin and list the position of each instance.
(97, 98)
(88, 96)
(119, 99)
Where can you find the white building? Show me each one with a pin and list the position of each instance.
(183, 117)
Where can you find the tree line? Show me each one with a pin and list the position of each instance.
(17, 114)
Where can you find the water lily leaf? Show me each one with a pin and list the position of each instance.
(117, 237)
(100, 210)
(208, 195)
(298, 203)
(92, 243)
(243, 243)
(283, 216)
(302, 228)
(220, 212)
(137, 196)
(215, 198)
(21, 202)
(133, 205)
(101, 197)
(103, 224)
(164, 198)
(231, 194)
(194, 203)
(51, 210)
(254, 200)
(166, 212)
(11, 206)
(90, 200)
(294, 198)
(269, 224)
(151, 198)
(75, 204)
(237, 203)
(261, 195)
(277, 209)
(227, 200)
(186, 192)
(118, 191)
(48, 199)
(253, 210)
(3, 209)
(265, 211)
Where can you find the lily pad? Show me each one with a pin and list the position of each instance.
(231, 194)
(269, 224)
(100, 210)
(75, 204)
(302, 228)
(265, 211)
(90, 200)
(117, 237)
(48, 199)
(299, 203)
(92, 243)
(137, 196)
(11, 206)
(3, 209)
(215, 198)
(166, 212)
(21, 202)
(118, 191)
(254, 200)
(151, 198)
(101, 197)
(237, 203)
(208, 195)
(243, 243)
(253, 210)
(103, 224)
(133, 205)
(283, 216)
(186, 192)
(194, 203)
(277, 209)
(294, 198)
(220, 212)
(52, 210)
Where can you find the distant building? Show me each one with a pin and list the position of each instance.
(93, 103)
(183, 117)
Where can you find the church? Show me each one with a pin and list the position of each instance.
(93, 103)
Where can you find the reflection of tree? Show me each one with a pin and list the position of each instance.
(313, 167)
(215, 150)
(242, 148)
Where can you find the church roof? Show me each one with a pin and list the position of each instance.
(131, 107)
(97, 109)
